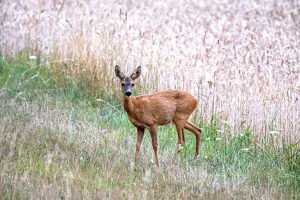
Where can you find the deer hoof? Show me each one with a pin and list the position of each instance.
(133, 167)
(170, 167)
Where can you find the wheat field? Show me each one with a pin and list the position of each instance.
(239, 58)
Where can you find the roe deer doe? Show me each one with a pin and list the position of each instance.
(161, 108)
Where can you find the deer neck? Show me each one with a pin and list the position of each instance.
(128, 103)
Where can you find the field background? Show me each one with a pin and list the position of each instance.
(239, 58)
(64, 133)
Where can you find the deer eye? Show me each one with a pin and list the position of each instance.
(123, 84)
(132, 84)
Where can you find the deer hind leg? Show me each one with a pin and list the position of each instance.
(140, 136)
(153, 133)
(181, 140)
(198, 133)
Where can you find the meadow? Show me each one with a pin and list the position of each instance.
(239, 58)
(64, 133)
(58, 142)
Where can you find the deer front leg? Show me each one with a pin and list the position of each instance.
(140, 132)
(153, 133)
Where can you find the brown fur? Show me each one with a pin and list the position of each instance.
(161, 108)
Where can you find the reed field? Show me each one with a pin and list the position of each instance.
(239, 58)
(65, 135)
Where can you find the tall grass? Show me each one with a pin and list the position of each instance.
(239, 58)
(58, 142)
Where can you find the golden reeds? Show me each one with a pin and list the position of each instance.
(240, 58)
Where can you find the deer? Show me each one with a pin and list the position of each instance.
(161, 108)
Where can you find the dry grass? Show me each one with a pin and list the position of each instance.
(55, 144)
(239, 58)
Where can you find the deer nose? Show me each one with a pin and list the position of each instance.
(128, 93)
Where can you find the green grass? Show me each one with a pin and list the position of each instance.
(58, 141)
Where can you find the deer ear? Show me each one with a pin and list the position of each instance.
(118, 72)
(136, 73)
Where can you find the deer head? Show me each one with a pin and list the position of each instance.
(127, 83)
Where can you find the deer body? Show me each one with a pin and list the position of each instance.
(161, 108)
